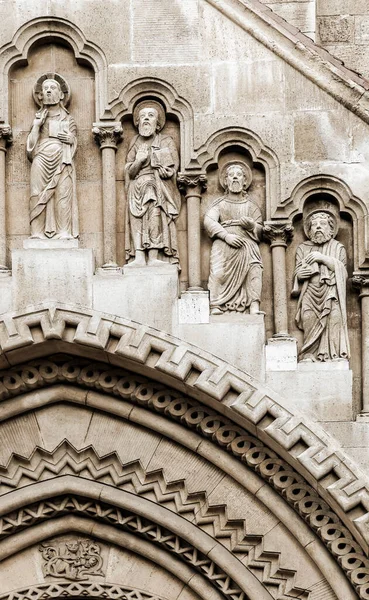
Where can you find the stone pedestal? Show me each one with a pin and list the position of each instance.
(194, 307)
(144, 294)
(321, 390)
(238, 339)
(52, 273)
(281, 354)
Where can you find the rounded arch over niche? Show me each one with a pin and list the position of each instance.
(42, 331)
(348, 203)
(53, 29)
(208, 154)
(175, 105)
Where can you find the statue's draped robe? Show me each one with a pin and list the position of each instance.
(321, 310)
(53, 205)
(235, 273)
(153, 202)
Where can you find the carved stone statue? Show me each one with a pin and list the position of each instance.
(234, 221)
(51, 146)
(153, 200)
(320, 283)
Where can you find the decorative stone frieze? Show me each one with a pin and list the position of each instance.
(74, 558)
(108, 135)
(84, 589)
(193, 185)
(279, 234)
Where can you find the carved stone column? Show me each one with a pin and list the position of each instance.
(108, 135)
(279, 234)
(361, 282)
(192, 185)
(6, 138)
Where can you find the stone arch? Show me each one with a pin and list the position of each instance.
(88, 589)
(174, 104)
(53, 28)
(42, 331)
(208, 154)
(347, 202)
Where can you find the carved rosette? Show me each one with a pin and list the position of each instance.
(107, 136)
(6, 135)
(192, 184)
(278, 233)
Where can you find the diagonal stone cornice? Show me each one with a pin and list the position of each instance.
(299, 51)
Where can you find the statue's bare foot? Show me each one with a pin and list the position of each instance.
(255, 308)
(137, 262)
(216, 311)
(38, 236)
(65, 236)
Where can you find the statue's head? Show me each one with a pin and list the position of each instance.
(149, 117)
(236, 177)
(320, 227)
(51, 92)
(51, 89)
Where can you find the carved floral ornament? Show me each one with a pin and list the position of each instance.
(204, 421)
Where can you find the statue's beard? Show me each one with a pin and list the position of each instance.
(320, 237)
(235, 187)
(146, 129)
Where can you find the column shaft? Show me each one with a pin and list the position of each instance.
(194, 240)
(280, 288)
(365, 348)
(109, 206)
(2, 206)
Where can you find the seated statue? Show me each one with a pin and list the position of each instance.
(234, 222)
(51, 146)
(153, 200)
(320, 283)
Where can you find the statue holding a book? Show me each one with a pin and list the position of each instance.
(320, 284)
(153, 200)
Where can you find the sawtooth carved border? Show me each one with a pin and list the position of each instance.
(85, 589)
(304, 445)
(206, 422)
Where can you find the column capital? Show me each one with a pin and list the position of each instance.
(6, 135)
(108, 134)
(195, 181)
(360, 281)
(278, 233)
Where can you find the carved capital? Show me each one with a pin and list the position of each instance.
(108, 135)
(6, 135)
(360, 282)
(192, 183)
(278, 233)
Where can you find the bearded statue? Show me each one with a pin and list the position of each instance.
(320, 284)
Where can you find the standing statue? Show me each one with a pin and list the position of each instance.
(153, 200)
(51, 146)
(234, 221)
(320, 283)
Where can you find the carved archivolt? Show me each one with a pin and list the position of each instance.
(207, 422)
(177, 363)
(85, 589)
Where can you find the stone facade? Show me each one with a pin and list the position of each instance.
(184, 315)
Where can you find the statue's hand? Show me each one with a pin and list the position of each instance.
(142, 153)
(314, 257)
(165, 172)
(40, 118)
(66, 138)
(304, 272)
(247, 223)
(233, 240)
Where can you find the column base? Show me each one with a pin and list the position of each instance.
(363, 417)
(109, 269)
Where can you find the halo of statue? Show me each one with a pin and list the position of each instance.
(64, 86)
(152, 104)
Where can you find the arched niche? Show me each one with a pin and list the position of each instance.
(350, 223)
(174, 128)
(237, 151)
(54, 54)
